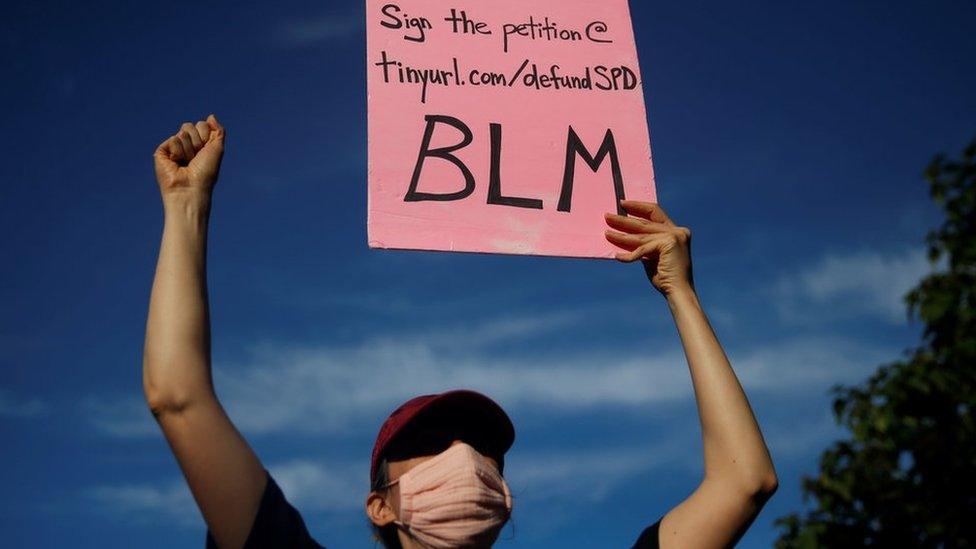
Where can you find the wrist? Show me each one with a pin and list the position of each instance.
(682, 297)
(187, 203)
(187, 214)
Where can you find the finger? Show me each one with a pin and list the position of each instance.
(171, 149)
(189, 151)
(627, 241)
(204, 130)
(182, 152)
(213, 151)
(634, 224)
(647, 210)
(646, 251)
(633, 243)
(164, 150)
(191, 131)
(216, 128)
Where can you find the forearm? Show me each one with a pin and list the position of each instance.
(176, 358)
(735, 452)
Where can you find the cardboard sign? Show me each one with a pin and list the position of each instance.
(503, 126)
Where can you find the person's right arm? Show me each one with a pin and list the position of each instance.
(224, 475)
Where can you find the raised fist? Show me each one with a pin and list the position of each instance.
(190, 160)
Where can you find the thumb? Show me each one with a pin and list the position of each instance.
(217, 131)
(213, 149)
(206, 164)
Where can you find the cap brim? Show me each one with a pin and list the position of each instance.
(483, 413)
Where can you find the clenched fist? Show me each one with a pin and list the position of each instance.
(189, 162)
(650, 235)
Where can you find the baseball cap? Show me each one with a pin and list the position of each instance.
(465, 414)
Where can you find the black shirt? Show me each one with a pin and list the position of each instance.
(649, 537)
(279, 525)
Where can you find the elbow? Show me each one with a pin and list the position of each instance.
(173, 395)
(767, 486)
(166, 401)
(761, 486)
(755, 486)
(163, 404)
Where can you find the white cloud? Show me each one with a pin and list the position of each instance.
(310, 486)
(855, 285)
(588, 475)
(800, 437)
(500, 330)
(808, 364)
(329, 389)
(170, 502)
(13, 406)
(124, 417)
(289, 389)
(313, 30)
(314, 486)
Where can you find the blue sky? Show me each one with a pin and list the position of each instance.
(790, 136)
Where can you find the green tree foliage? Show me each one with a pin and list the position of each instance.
(906, 476)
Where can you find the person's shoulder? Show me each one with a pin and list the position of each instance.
(276, 524)
(649, 538)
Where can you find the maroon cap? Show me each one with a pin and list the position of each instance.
(479, 413)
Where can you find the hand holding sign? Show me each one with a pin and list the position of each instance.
(650, 235)
(503, 127)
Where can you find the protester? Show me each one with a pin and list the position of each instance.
(437, 464)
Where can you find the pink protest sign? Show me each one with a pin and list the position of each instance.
(508, 126)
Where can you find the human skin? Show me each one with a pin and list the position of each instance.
(224, 475)
(739, 475)
(227, 479)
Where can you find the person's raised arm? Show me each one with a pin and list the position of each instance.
(739, 474)
(224, 474)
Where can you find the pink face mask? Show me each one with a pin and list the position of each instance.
(455, 499)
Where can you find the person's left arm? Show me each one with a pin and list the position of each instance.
(739, 474)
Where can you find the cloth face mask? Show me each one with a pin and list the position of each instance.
(455, 499)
